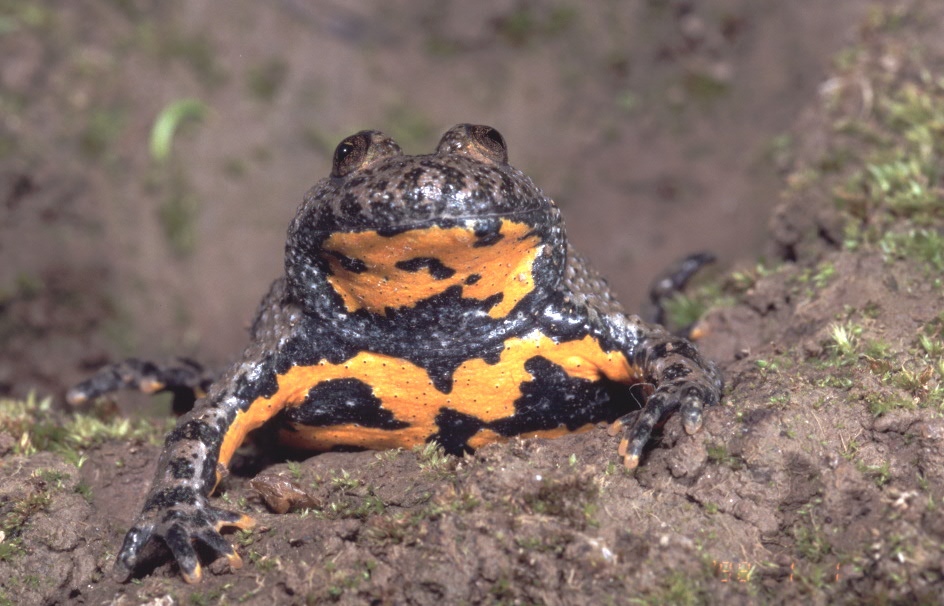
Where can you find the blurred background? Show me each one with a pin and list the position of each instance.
(153, 153)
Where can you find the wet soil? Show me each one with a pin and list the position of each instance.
(660, 127)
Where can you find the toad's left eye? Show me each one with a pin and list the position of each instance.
(361, 149)
(350, 154)
(489, 141)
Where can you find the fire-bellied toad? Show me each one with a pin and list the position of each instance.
(430, 297)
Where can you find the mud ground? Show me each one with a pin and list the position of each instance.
(809, 137)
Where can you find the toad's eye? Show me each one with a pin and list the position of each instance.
(491, 139)
(360, 150)
(478, 141)
(488, 143)
(342, 152)
(350, 154)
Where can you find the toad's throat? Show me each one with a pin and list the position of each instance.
(375, 272)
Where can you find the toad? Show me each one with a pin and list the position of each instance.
(425, 298)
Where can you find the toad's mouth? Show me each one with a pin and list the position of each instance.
(489, 260)
(417, 221)
(385, 217)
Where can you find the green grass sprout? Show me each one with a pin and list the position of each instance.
(167, 122)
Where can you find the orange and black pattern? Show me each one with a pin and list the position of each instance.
(425, 298)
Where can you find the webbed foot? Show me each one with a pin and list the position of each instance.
(180, 526)
(688, 398)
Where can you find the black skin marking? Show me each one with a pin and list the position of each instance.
(488, 240)
(182, 468)
(406, 333)
(676, 347)
(455, 429)
(554, 398)
(410, 180)
(349, 263)
(676, 371)
(530, 234)
(195, 431)
(342, 401)
(170, 496)
(374, 187)
(472, 279)
(435, 266)
(487, 233)
(350, 207)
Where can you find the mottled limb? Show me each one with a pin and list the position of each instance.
(684, 383)
(179, 527)
(672, 281)
(186, 379)
(176, 510)
(688, 400)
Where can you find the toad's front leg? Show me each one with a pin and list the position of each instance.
(176, 508)
(684, 382)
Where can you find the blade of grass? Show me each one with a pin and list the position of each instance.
(167, 122)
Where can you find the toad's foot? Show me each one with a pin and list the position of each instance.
(689, 398)
(179, 526)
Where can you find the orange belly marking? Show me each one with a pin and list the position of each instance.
(484, 391)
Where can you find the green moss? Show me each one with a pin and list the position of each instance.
(881, 404)
(543, 544)
(810, 281)
(877, 350)
(36, 426)
(344, 481)
(677, 587)
(432, 458)
(719, 455)
(844, 341)
(341, 582)
(932, 347)
(263, 563)
(685, 309)
(204, 598)
(17, 14)
(294, 469)
(811, 542)
(628, 100)
(572, 498)
(922, 245)
(85, 490)
(900, 179)
(401, 527)
(880, 474)
(15, 521)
